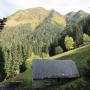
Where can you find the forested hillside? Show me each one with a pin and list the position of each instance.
(39, 33)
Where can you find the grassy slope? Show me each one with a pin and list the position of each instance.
(80, 56)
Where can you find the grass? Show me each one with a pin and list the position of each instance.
(27, 77)
(68, 53)
(80, 56)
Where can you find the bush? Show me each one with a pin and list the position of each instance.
(69, 42)
(58, 50)
(28, 62)
(86, 38)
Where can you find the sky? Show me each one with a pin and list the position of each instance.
(8, 7)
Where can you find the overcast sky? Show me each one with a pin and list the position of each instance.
(8, 7)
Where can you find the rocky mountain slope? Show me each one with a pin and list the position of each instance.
(76, 16)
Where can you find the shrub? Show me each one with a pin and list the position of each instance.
(86, 38)
(58, 50)
(28, 62)
(69, 42)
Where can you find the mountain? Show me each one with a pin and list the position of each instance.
(39, 15)
(70, 14)
(57, 18)
(34, 17)
(76, 16)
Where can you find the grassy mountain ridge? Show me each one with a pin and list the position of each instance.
(34, 17)
(54, 18)
(57, 18)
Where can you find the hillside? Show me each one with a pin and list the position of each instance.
(34, 17)
(54, 21)
(80, 56)
(77, 16)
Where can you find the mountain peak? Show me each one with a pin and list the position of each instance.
(70, 14)
(81, 12)
(77, 16)
(36, 8)
(56, 17)
(53, 12)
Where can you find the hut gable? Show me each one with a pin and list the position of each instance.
(43, 69)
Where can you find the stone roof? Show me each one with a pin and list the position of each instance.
(43, 69)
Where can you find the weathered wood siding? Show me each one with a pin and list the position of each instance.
(43, 83)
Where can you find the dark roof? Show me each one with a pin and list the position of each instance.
(42, 69)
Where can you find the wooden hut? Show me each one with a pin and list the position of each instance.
(51, 72)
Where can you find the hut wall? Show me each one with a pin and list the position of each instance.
(43, 83)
